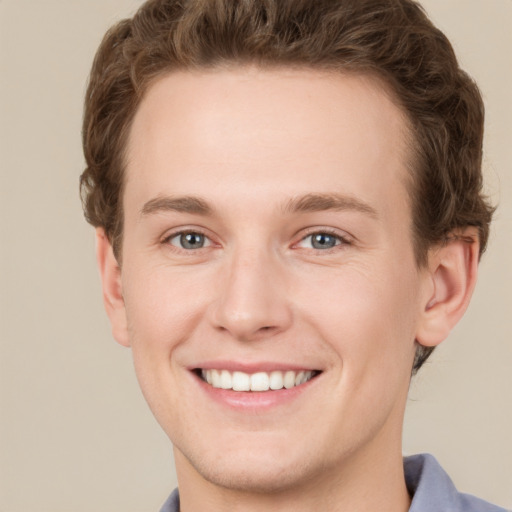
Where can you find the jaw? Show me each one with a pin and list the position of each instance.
(264, 471)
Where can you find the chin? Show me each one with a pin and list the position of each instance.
(253, 470)
(262, 479)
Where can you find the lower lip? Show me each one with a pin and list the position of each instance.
(254, 400)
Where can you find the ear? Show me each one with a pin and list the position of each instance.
(452, 273)
(110, 273)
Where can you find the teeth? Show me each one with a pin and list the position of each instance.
(276, 380)
(289, 380)
(226, 382)
(241, 381)
(299, 378)
(260, 381)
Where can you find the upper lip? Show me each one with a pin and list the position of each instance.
(251, 367)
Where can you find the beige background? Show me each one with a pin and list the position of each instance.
(75, 433)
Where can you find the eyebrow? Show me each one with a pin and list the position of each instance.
(182, 204)
(321, 202)
(302, 204)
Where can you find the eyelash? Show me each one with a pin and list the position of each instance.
(340, 240)
(176, 234)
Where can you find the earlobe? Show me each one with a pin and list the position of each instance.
(452, 273)
(113, 300)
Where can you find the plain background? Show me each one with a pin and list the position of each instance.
(75, 433)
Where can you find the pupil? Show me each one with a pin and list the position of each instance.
(323, 241)
(192, 241)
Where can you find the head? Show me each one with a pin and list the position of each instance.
(390, 39)
(169, 68)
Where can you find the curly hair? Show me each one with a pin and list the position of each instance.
(392, 39)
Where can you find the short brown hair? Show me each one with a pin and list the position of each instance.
(393, 39)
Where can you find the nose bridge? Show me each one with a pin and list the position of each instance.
(252, 299)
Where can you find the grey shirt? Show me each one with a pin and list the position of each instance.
(430, 487)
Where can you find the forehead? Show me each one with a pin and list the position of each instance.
(263, 130)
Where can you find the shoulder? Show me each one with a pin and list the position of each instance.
(172, 504)
(433, 490)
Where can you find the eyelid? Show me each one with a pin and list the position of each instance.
(166, 239)
(343, 237)
(207, 241)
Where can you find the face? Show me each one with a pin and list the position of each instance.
(267, 244)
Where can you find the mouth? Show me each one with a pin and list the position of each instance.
(255, 382)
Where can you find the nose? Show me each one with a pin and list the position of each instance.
(252, 302)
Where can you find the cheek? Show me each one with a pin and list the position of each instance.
(162, 313)
(162, 309)
(367, 315)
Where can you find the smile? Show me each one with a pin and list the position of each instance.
(260, 381)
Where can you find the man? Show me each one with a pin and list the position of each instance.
(289, 216)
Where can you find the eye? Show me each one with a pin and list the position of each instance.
(322, 241)
(189, 240)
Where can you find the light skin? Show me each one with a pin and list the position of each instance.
(292, 188)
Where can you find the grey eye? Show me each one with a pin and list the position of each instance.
(192, 241)
(323, 241)
(189, 241)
